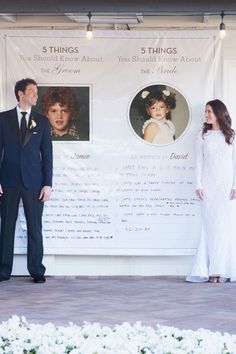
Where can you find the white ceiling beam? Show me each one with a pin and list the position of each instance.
(8, 17)
(135, 19)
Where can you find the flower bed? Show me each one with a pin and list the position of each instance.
(17, 336)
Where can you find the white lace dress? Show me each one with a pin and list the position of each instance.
(166, 132)
(216, 175)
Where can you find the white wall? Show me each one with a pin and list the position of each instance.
(109, 265)
(229, 80)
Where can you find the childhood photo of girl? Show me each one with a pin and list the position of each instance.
(158, 128)
(159, 114)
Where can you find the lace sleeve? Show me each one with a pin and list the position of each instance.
(199, 160)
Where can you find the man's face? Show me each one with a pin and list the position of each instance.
(29, 97)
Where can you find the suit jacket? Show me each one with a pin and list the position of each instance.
(29, 161)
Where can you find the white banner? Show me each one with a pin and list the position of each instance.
(123, 182)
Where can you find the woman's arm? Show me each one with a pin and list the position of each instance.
(199, 165)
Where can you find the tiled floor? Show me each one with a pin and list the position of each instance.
(110, 300)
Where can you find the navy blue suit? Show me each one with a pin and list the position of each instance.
(25, 167)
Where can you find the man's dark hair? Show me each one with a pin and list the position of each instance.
(22, 84)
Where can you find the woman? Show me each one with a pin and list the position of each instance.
(216, 187)
(59, 105)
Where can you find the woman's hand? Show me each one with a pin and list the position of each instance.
(200, 193)
(232, 194)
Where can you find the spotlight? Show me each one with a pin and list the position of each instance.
(89, 33)
(222, 25)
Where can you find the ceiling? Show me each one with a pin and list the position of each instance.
(123, 14)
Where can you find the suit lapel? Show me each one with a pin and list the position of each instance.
(29, 131)
(13, 121)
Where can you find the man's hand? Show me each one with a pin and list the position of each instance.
(45, 193)
(1, 191)
(200, 193)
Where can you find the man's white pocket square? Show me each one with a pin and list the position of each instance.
(35, 132)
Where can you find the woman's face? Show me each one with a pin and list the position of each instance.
(158, 110)
(210, 116)
(59, 117)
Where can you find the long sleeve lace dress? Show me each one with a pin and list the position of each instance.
(216, 176)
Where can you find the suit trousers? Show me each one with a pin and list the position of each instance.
(33, 209)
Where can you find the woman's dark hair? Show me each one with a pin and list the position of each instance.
(65, 96)
(223, 119)
(148, 99)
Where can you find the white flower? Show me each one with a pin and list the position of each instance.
(144, 94)
(33, 124)
(166, 92)
(18, 336)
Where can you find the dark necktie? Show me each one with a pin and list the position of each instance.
(23, 126)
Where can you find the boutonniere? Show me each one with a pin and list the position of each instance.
(32, 124)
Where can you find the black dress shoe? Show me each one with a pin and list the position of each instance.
(40, 280)
(3, 278)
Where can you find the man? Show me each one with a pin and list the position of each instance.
(25, 173)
